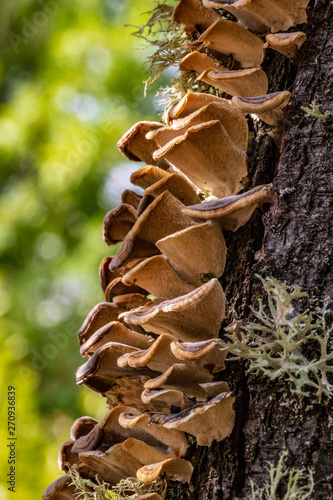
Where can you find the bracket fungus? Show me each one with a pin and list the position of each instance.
(61, 489)
(286, 43)
(162, 400)
(176, 469)
(198, 62)
(114, 332)
(208, 421)
(165, 352)
(193, 15)
(208, 260)
(192, 317)
(148, 229)
(233, 212)
(242, 82)
(264, 15)
(105, 273)
(130, 197)
(177, 185)
(102, 374)
(192, 101)
(155, 275)
(148, 175)
(160, 374)
(230, 117)
(183, 378)
(118, 222)
(231, 39)
(100, 315)
(134, 145)
(267, 107)
(208, 157)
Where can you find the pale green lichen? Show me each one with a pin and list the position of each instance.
(169, 40)
(274, 344)
(167, 37)
(296, 489)
(127, 489)
(315, 112)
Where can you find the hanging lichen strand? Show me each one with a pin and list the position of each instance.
(152, 346)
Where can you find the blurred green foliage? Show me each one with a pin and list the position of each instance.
(71, 84)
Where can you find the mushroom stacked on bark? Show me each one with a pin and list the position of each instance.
(153, 343)
(227, 54)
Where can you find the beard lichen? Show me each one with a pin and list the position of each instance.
(167, 37)
(126, 489)
(278, 342)
(169, 41)
(277, 475)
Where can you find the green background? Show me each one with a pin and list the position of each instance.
(71, 85)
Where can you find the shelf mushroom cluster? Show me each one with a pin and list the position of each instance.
(152, 346)
(228, 55)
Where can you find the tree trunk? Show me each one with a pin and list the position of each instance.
(291, 243)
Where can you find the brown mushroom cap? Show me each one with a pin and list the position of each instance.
(178, 186)
(207, 261)
(198, 62)
(233, 212)
(206, 354)
(164, 400)
(230, 117)
(165, 352)
(177, 469)
(118, 222)
(157, 357)
(114, 332)
(132, 250)
(243, 82)
(209, 421)
(173, 444)
(192, 317)
(286, 43)
(117, 288)
(156, 276)
(192, 101)
(268, 107)
(131, 198)
(105, 274)
(264, 15)
(229, 38)
(99, 316)
(193, 15)
(110, 466)
(207, 156)
(134, 145)
(82, 426)
(101, 371)
(148, 175)
(67, 455)
(162, 217)
(131, 300)
(61, 489)
(90, 441)
(184, 378)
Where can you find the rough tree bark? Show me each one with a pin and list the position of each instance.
(291, 243)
